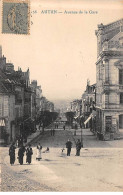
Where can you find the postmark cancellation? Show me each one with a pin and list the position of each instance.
(16, 17)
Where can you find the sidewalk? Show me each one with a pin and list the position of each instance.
(90, 140)
(33, 136)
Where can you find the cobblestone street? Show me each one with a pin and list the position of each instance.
(98, 168)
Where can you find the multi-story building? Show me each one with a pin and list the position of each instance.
(76, 107)
(88, 102)
(38, 92)
(109, 79)
(17, 101)
(7, 103)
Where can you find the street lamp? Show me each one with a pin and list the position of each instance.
(82, 125)
(81, 137)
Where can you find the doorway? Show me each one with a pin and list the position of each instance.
(121, 121)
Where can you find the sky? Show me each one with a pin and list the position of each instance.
(61, 50)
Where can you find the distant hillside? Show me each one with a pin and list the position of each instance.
(62, 104)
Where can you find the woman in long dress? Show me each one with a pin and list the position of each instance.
(29, 153)
(12, 154)
(21, 154)
(38, 155)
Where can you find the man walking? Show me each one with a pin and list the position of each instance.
(53, 132)
(29, 154)
(21, 154)
(68, 146)
(78, 147)
(12, 154)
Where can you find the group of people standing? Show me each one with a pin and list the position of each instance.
(56, 126)
(22, 149)
(52, 132)
(69, 144)
(29, 152)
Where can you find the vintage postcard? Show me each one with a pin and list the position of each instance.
(61, 96)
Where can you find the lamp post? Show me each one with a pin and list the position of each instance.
(81, 134)
(82, 125)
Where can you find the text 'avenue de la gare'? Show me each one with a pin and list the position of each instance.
(66, 12)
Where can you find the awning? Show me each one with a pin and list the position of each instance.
(2, 123)
(76, 117)
(93, 114)
(88, 119)
(81, 116)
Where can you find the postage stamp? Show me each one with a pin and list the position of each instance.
(16, 17)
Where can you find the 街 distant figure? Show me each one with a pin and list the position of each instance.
(21, 154)
(64, 127)
(78, 147)
(53, 132)
(68, 146)
(38, 155)
(29, 153)
(12, 154)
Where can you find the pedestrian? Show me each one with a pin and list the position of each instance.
(38, 156)
(21, 154)
(12, 153)
(68, 146)
(29, 153)
(21, 140)
(78, 147)
(64, 127)
(53, 132)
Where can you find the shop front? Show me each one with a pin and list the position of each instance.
(4, 135)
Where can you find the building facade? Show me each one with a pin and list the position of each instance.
(17, 101)
(7, 115)
(88, 103)
(109, 79)
(76, 107)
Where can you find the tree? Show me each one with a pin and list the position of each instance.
(70, 116)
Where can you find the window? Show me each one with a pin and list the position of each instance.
(121, 76)
(121, 98)
(108, 123)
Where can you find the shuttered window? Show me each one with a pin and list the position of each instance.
(121, 76)
(121, 98)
